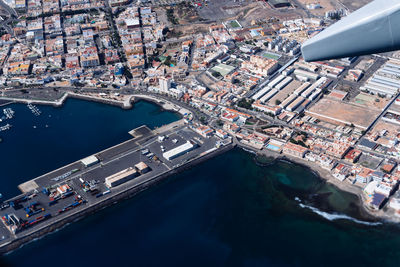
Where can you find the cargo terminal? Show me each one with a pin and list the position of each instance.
(73, 191)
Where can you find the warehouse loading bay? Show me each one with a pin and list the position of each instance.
(77, 186)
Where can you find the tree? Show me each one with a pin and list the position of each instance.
(278, 102)
(244, 103)
(216, 74)
(235, 81)
(203, 120)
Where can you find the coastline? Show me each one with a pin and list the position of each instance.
(325, 176)
(126, 103)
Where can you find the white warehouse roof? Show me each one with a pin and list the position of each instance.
(90, 160)
(177, 151)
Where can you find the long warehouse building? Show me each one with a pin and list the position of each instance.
(301, 89)
(276, 81)
(288, 100)
(283, 83)
(268, 96)
(121, 177)
(295, 104)
(261, 93)
(179, 151)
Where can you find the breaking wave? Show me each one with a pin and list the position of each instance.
(335, 216)
(249, 151)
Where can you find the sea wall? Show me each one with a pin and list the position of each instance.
(111, 200)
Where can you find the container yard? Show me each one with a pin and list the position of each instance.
(100, 180)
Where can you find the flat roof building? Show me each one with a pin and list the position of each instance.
(142, 167)
(89, 161)
(178, 151)
(121, 177)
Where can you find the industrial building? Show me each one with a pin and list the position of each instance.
(268, 96)
(121, 177)
(179, 151)
(283, 83)
(275, 81)
(142, 167)
(313, 87)
(261, 93)
(90, 161)
(302, 88)
(305, 75)
(386, 81)
(288, 100)
(295, 104)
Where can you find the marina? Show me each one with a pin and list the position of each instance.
(34, 109)
(8, 113)
(5, 127)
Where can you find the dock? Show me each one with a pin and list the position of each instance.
(87, 185)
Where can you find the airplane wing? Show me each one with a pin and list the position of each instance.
(374, 28)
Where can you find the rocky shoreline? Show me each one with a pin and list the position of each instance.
(324, 175)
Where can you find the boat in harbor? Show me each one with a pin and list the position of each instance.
(5, 127)
(34, 109)
(8, 113)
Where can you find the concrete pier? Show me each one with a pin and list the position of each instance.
(146, 147)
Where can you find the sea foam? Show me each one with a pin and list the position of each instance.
(336, 216)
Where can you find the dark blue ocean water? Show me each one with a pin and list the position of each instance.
(37, 145)
(228, 211)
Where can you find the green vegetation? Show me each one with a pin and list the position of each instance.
(171, 17)
(278, 102)
(300, 143)
(216, 74)
(271, 55)
(234, 24)
(203, 120)
(167, 61)
(269, 114)
(235, 81)
(244, 103)
(269, 126)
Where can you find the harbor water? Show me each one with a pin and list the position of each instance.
(232, 210)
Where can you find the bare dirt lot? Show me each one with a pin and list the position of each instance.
(326, 5)
(284, 93)
(339, 112)
(354, 4)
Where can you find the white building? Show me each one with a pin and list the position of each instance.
(164, 84)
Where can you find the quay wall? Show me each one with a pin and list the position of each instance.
(107, 201)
